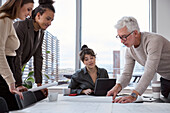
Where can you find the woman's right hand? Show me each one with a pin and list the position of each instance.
(13, 90)
(87, 91)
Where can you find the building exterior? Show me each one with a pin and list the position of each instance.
(50, 51)
(116, 63)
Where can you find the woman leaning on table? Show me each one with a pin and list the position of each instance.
(83, 81)
(9, 42)
(30, 33)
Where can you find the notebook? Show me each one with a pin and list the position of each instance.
(103, 85)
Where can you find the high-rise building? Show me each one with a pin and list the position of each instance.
(116, 63)
(50, 51)
(50, 56)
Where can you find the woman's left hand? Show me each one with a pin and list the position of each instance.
(87, 91)
(126, 99)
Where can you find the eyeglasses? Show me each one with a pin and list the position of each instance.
(124, 38)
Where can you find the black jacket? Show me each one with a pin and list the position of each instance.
(82, 80)
(29, 46)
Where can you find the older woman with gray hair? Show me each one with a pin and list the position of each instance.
(150, 50)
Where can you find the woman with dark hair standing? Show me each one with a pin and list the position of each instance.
(83, 81)
(9, 42)
(30, 33)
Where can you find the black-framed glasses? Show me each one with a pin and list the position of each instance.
(124, 38)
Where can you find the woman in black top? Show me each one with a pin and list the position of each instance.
(83, 81)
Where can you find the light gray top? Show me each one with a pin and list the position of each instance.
(154, 54)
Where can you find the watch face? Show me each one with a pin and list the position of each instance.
(134, 95)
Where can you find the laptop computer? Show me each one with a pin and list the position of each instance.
(103, 85)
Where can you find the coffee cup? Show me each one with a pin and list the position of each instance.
(53, 97)
(156, 89)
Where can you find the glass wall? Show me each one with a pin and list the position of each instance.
(98, 32)
(64, 28)
(3, 1)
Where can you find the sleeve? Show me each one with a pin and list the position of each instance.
(5, 71)
(38, 59)
(154, 53)
(19, 28)
(74, 85)
(128, 70)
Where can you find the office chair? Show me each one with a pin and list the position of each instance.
(3, 106)
(29, 99)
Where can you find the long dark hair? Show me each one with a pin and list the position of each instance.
(43, 5)
(11, 8)
(86, 51)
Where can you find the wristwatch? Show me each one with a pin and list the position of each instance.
(134, 95)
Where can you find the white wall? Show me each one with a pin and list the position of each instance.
(163, 18)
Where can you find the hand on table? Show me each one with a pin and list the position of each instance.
(13, 90)
(114, 91)
(126, 99)
(87, 91)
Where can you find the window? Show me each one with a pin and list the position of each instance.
(2, 1)
(64, 28)
(98, 32)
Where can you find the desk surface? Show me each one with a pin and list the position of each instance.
(92, 104)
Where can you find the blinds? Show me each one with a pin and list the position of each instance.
(50, 51)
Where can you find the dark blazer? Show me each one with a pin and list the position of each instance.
(82, 80)
(28, 48)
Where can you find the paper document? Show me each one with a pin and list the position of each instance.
(43, 86)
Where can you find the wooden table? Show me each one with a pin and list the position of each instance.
(92, 104)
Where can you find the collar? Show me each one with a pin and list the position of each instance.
(85, 70)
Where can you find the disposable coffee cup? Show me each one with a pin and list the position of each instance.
(52, 97)
(156, 89)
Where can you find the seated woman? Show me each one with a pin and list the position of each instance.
(83, 81)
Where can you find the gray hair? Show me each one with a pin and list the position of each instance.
(130, 22)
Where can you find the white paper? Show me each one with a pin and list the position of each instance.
(43, 86)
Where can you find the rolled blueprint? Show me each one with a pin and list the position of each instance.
(43, 86)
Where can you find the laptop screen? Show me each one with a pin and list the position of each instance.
(103, 85)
